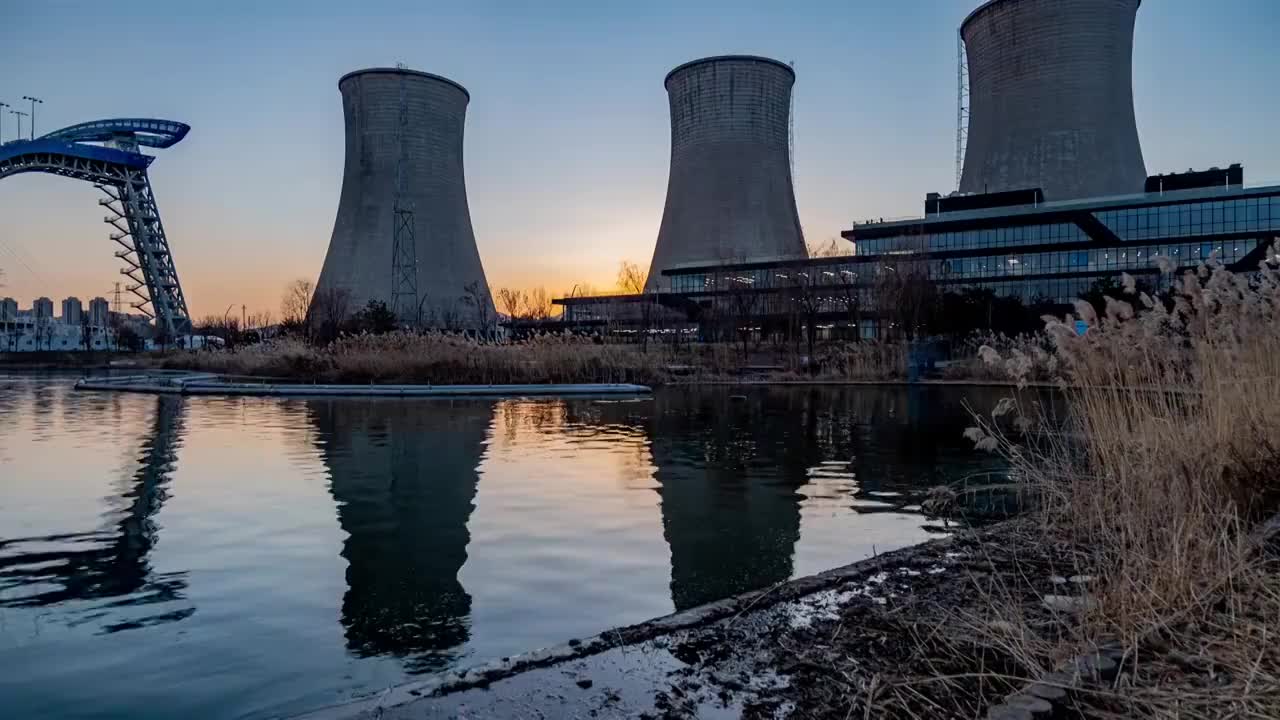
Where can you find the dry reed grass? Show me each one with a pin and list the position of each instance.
(863, 361)
(442, 358)
(968, 362)
(1155, 487)
(434, 358)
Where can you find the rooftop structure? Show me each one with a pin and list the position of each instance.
(729, 194)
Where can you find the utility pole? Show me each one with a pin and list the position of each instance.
(33, 100)
(3, 105)
(20, 115)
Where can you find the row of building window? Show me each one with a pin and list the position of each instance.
(1111, 259)
(1190, 219)
(968, 239)
(1095, 260)
(1187, 219)
(1062, 291)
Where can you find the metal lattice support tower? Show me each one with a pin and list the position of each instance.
(405, 268)
(404, 243)
(962, 105)
(145, 251)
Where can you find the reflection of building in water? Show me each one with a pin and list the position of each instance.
(734, 473)
(404, 477)
(730, 472)
(109, 563)
(907, 440)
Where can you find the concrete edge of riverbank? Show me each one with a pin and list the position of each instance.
(213, 384)
(484, 674)
(862, 383)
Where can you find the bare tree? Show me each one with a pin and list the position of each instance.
(329, 310)
(224, 327)
(844, 285)
(538, 305)
(513, 302)
(631, 279)
(848, 292)
(44, 330)
(296, 304)
(905, 294)
(833, 247)
(113, 332)
(476, 296)
(806, 296)
(742, 302)
(634, 281)
(260, 320)
(450, 317)
(428, 314)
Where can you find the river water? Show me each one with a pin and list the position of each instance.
(252, 557)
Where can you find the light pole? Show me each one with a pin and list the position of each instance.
(20, 115)
(3, 105)
(33, 100)
(226, 326)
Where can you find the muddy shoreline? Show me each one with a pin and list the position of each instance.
(728, 657)
(890, 636)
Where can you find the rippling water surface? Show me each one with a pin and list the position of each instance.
(220, 558)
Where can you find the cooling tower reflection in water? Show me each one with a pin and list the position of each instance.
(258, 557)
(404, 478)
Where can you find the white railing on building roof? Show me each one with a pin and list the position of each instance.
(883, 220)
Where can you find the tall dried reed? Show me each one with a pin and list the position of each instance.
(438, 358)
(867, 360)
(1164, 468)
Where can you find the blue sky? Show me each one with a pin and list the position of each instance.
(567, 132)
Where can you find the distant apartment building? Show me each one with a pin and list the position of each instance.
(43, 309)
(8, 310)
(72, 311)
(99, 312)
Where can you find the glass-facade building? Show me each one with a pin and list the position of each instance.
(1039, 252)
(1046, 252)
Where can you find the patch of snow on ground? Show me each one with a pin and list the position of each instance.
(824, 605)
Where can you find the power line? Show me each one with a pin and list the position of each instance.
(39, 277)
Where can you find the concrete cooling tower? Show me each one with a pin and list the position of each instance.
(729, 195)
(404, 152)
(1051, 98)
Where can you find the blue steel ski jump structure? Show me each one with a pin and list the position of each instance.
(107, 154)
